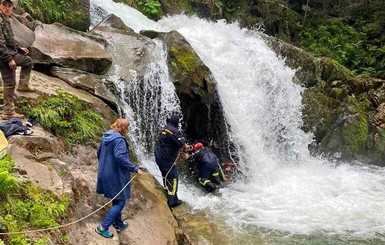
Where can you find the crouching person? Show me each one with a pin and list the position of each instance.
(113, 174)
(210, 172)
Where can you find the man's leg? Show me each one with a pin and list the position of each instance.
(9, 83)
(26, 66)
(204, 178)
(172, 180)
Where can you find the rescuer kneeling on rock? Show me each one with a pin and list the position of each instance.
(210, 172)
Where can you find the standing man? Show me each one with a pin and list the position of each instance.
(166, 153)
(11, 56)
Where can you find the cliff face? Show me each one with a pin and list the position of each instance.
(344, 111)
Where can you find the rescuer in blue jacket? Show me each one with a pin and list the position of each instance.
(166, 153)
(210, 172)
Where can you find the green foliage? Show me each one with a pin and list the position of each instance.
(7, 181)
(28, 207)
(151, 8)
(63, 11)
(341, 42)
(66, 116)
(351, 32)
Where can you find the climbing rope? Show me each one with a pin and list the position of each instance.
(89, 215)
(74, 222)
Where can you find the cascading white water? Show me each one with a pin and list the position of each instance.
(286, 189)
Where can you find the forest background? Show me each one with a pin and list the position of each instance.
(350, 31)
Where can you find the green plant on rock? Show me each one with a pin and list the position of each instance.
(66, 116)
(151, 8)
(28, 207)
(63, 11)
(7, 181)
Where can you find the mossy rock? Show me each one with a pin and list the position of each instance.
(350, 134)
(176, 7)
(194, 85)
(318, 111)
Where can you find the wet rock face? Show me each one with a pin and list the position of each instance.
(129, 51)
(56, 44)
(194, 84)
(342, 110)
(89, 82)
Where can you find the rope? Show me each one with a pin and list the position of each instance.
(85, 217)
(74, 222)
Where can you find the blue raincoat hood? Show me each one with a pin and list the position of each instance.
(110, 136)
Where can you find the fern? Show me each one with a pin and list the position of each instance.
(66, 116)
(7, 181)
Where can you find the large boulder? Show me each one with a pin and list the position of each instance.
(23, 35)
(89, 82)
(194, 84)
(48, 86)
(128, 49)
(30, 155)
(56, 44)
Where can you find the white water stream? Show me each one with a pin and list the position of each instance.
(286, 189)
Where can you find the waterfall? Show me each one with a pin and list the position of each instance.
(286, 190)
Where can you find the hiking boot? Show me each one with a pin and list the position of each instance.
(103, 232)
(24, 88)
(13, 115)
(119, 228)
(177, 203)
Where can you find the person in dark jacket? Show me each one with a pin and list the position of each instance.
(113, 174)
(210, 172)
(166, 153)
(11, 56)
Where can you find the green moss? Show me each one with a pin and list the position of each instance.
(356, 134)
(332, 70)
(379, 144)
(339, 93)
(317, 108)
(355, 130)
(183, 60)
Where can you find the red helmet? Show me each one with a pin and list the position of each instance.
(197, 146)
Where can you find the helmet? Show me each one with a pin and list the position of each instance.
(197, 146)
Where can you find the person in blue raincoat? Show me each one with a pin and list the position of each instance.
(113, 174)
